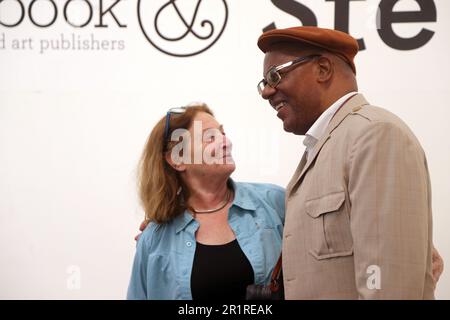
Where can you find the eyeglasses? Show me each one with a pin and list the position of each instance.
(177, 110)
(273, 76)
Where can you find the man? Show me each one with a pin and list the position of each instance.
(358, 208)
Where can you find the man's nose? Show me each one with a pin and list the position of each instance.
(267, 92)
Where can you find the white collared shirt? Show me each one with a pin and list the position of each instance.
(319, 127)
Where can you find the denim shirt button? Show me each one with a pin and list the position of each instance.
(189, 244)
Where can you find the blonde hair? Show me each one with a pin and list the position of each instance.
(158, 182)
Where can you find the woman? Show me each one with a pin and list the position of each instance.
(208, 237)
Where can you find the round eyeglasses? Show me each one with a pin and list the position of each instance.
(273, 76)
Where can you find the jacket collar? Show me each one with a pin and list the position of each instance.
(352, 105)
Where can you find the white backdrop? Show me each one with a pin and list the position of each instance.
(74, 117)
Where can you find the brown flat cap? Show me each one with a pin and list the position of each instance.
(337, 42)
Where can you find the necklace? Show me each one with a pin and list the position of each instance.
(222, 205)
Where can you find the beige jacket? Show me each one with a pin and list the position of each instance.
(358, 213)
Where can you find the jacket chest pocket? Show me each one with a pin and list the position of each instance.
(330, 234)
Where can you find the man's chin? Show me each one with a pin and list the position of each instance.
(289, 127)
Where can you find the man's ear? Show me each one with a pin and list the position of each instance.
(326, 68)
(176, 165)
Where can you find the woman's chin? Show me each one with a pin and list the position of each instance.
(229, 166)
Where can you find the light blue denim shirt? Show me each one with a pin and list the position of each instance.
(165, 252)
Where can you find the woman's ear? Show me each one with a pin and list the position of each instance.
(176, 164)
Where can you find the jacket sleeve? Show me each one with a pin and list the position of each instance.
(389, 191)
(137, 288)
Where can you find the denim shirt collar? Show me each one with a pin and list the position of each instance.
(241, 199)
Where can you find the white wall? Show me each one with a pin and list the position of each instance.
(73, 124)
